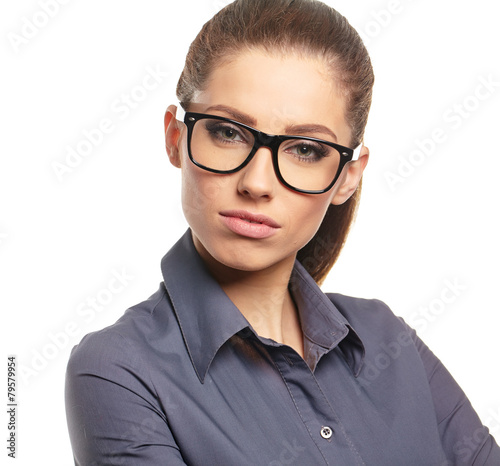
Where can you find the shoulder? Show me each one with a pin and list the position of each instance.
(368, 315)
(378, 328)
(126, 342)
(348, 304)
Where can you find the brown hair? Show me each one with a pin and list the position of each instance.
(304, 26)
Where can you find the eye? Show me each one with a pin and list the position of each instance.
(307, 151)
(228, 133)
(222, 132)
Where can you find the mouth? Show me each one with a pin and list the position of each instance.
(250, 218)
(250, 225)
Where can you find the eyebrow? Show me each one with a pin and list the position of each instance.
(291, 130)
(305, 130)
(235, 114)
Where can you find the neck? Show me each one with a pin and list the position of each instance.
(264, 299)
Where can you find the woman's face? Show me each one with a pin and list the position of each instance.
(248, 220)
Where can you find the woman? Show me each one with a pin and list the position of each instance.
(239, 358)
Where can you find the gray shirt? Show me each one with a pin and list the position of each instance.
(183, 379)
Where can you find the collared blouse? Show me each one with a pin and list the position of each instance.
(183, 379)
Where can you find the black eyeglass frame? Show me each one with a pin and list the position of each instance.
(270, 141)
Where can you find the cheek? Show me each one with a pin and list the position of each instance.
(306, 218)
(201, 192)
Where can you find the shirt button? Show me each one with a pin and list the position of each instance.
(326, 432)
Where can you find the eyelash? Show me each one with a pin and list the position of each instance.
(319, 151)
(216, 129)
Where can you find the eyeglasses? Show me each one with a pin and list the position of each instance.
(303, 164)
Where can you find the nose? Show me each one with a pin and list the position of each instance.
(257, 179)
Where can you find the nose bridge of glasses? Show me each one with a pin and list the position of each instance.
(267, 140)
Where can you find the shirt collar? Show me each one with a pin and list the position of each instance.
(208, 318)
(323, 325)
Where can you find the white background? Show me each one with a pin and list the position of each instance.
(118, 210)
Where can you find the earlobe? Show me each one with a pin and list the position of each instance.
(351, 178)
(172, 136)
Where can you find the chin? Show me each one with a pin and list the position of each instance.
(246, 261)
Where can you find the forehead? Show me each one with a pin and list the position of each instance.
(277, 90)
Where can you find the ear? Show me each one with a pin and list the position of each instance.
(350, 178)
(172, 136)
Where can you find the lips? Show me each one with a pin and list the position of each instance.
(250, 225)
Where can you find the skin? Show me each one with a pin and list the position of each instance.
(279, 95)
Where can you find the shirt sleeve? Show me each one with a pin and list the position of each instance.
(112, 409)
(464, 438)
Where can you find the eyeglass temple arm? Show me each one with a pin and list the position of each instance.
(181, 113)
(356, 152)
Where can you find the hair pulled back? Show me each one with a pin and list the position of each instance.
(306, 27)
